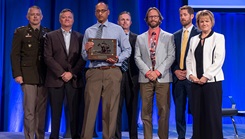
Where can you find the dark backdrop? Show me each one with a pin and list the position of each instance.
(13, 15)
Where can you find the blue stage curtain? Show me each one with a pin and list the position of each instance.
(13, 15)
(2, 9)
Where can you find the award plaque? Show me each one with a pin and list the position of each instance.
(103, 49)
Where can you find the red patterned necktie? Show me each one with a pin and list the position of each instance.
(153, 49)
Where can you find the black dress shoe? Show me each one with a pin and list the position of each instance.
(95, 135)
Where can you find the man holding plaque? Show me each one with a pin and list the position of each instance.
(103, 77)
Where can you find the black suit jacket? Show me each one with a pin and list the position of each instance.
(177, 42)
(133, 69)
(27, 54)
(58, 61)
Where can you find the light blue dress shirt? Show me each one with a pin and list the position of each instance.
(110, 31)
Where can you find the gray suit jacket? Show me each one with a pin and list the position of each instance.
(165, 55)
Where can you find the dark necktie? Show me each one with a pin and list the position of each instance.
(124, 66)
(100, 31)
(153, 49)
(36, 31)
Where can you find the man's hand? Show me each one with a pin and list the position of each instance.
(112, 61)
(152, 76)
(19, 79)
(88, 46)
(66, 76)
(180, 74)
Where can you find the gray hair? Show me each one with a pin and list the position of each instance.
(34, 7)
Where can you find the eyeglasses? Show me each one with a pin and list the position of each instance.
(154, 16)
(102, 11)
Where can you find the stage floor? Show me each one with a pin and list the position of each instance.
(228, 131)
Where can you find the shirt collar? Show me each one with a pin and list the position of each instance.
(210, 34)
(156, 30)
(105, 24)
(189, 28)
(63, 31)
(31, 28)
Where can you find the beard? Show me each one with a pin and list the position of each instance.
(153, 24)
(185, 22)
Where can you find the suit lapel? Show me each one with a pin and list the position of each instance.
(179, 40)
(130, 38)
(61, 38)
(72, 40)
(180, 37)
(192, 33)
(146, 43)
(41, 33)
(159, 44)
(36, 35)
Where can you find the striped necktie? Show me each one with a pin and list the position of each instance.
(124, 66)
(100, 31)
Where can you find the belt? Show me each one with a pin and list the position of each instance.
(105, 67)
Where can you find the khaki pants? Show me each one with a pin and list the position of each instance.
(34, 104)
(103, 84)
(147, 91)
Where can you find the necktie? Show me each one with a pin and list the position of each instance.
(153, 49)
(36, 31)
(124, 66)
(99, 32)
(183, 49)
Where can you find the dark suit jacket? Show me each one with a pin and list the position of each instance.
(27, 54)
(58, 61)
(177, 42)
(133, 69)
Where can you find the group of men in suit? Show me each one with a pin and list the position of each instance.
(62, 73)
(157, 53)
(45, 62)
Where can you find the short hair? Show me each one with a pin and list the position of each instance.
(101, 3)
(188, 8)
(124, 12)
(65, 10)
(204, 13)
(35, 7)
(153, 8)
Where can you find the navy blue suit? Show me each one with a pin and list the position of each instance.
(181, 88)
